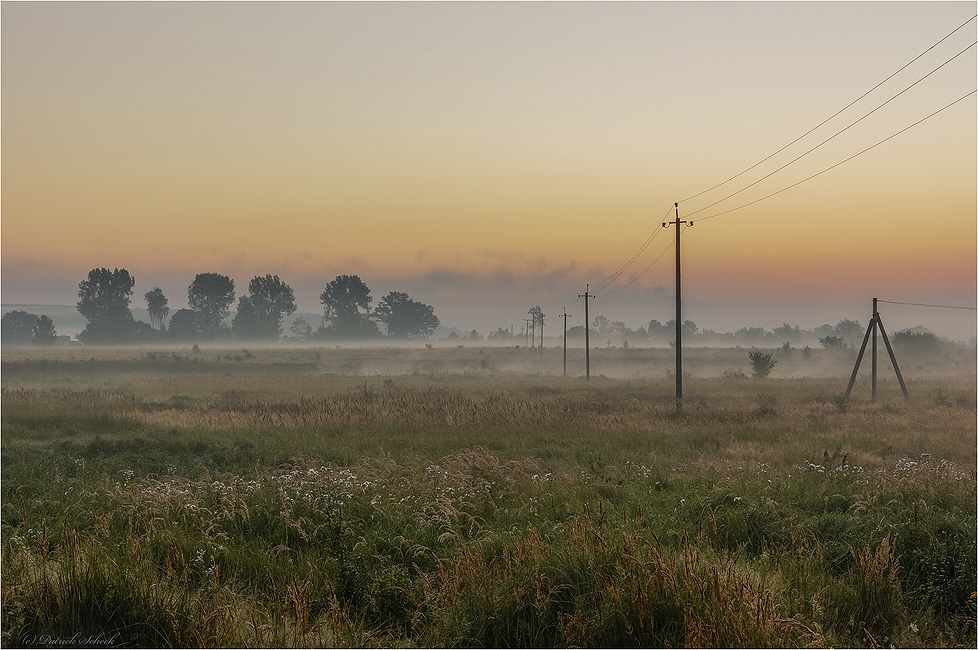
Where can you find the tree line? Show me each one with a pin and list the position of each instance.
(23, 328)
(827, 335)
(104, 301)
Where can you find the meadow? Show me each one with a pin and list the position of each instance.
(475, 497)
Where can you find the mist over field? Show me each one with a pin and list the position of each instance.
(285, 288)
(472, 496)
(958, 326)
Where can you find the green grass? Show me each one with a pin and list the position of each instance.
(258, 504)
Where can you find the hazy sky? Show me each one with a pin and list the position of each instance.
(488, 157)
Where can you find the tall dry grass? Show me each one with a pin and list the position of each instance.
(475, 510)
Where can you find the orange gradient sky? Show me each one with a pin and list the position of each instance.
(488, 157)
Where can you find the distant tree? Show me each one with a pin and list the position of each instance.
(346, 308)
(261, 312)
(185, 326)
(576, 332)
(659, 331)
(44, 333)
(618, 329)
(750, 334)
(762, 363)
(824, 330)
(406, 318)
(689, 328)
(247, 323)
(104, 301)
(849, 329)
(113, 331)
(787, 333)
(500, 334)
(832, 342)
(301, 329)
(601, 325)
(105, 295)
(917, 345)
(475, 336)
(17, 328)
(157, 305)
(211, 296)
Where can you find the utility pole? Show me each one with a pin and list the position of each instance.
(541, 333)
(876, 316)
(874, 323)
(533, 328)
(565, 316)
(679, 311)
(587, 334)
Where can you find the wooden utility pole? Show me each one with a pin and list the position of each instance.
(874, 323)
(541, 333)
(679, 310)
(587, 335)
(565, 316)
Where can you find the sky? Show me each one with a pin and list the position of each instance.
(489, 157)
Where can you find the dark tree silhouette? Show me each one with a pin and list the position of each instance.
(112, 331)
(44, 332)
(346, 307)
(261, 312)
(17, 328)
(185, 326)
(659, 331)
(104, 301)
(105, 295)
(406, 318)
(157, 305)
(211, 296)
(761, 363)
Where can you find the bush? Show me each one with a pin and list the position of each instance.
(761, 363)
(833, 342)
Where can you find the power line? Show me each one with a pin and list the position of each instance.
(917, 304)
(832, 137)
(605, 295)
(832, 116)
(960, 99)
(614, 276)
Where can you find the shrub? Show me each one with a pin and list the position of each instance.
(761, 363)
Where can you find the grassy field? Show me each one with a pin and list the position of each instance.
(475, 497)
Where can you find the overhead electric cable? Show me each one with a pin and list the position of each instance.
(960, 99)
(820, 124)
(917, 304)
(604, 295)
(832, 137)
(603, 283)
